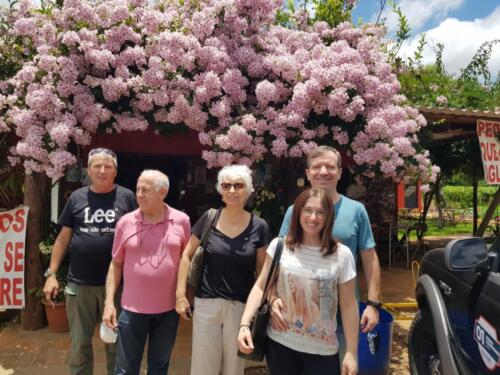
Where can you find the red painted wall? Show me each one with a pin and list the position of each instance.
(147, 142)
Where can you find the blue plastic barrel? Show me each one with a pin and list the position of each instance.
(374, 349)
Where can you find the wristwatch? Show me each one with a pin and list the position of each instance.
(377, 305)
(49, 272)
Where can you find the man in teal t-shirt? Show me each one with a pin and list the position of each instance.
(351, 227)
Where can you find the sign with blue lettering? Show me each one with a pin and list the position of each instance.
(485, 335)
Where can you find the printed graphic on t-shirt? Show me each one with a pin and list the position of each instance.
(96, 221)
(310, 303)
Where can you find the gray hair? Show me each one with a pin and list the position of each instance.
(322, 150)
(103, 152)
(235, 172)
(160, 179)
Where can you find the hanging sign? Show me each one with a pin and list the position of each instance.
(12, 245)
(488, 133)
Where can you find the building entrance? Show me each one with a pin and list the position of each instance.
(192, 185)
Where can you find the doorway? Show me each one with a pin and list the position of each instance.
(131, 165)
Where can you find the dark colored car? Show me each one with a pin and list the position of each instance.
(457, 328)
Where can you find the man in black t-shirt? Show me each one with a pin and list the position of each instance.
(88, 224)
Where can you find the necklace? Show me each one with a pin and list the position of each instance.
(150, 254)
(235, 224)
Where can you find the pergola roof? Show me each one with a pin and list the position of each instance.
(453, 124)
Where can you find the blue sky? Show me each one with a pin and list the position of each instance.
(464, 10)
(461, 25)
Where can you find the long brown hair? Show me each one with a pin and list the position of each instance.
(296, 234)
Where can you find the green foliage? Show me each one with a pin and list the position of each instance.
(461, 196)
(268, 206)
(332, 12)
(433, 229)
(478, 66)
(422, 85)
(62, 273)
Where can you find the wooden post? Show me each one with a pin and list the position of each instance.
(475, 212)
(36, 196)
(488, 215)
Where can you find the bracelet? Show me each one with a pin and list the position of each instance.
(244, 325)
(377, 305)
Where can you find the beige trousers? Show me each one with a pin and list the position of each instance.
(215, 337)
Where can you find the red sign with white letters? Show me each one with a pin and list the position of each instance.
(12, 245)
(488, 133)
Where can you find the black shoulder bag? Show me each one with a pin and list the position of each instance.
(196, 267)
(258, 326)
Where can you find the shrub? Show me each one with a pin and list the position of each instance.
(461, 196)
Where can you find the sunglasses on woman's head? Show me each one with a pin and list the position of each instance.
(235, 185)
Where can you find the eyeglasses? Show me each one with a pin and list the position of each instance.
(102, 150)
(328, 167)
(309, 211)
(226, 186)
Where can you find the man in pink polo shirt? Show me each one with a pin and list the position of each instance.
(146, 251)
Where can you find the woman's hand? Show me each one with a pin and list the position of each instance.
(349, 364)
(277, 321)
(183, 308)
(245, 342)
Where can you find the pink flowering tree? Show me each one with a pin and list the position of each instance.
(221, 67)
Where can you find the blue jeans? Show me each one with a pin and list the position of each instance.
(133, 328)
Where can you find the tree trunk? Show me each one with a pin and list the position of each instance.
(36, 196)
(381, 201)
(439, 204)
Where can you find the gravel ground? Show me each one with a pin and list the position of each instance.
(399, 360)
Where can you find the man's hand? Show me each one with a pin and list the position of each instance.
(369, 319)
(51, 288)
(183, 308)
(277, 321)
(109, 315)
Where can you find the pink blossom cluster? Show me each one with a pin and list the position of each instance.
(442, 100)
(221, 67)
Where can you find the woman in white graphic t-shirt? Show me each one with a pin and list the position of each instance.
(316, 275)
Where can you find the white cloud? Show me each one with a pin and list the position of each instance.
(461, 40)
(418, 12)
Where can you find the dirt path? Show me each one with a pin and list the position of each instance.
(399, 360)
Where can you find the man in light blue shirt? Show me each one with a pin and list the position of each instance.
(352, 225)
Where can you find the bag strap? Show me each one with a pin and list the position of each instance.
(273, 269)
(212, 213)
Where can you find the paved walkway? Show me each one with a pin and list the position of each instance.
(43, 352)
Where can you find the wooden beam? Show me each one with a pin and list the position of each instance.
(452, 135)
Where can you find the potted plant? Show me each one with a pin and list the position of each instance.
(54, 310)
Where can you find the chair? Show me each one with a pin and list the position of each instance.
(403, 243)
